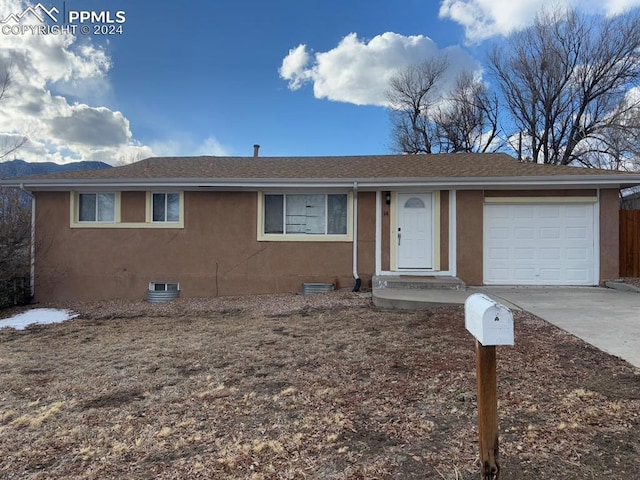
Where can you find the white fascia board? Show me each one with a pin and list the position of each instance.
(461, 183)
(183, 184)
(472, 183)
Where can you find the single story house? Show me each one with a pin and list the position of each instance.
(231, 225)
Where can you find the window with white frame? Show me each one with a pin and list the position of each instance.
(305, 214)
(96, 207)
(165, 207)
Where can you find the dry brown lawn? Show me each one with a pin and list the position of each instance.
(292, 387)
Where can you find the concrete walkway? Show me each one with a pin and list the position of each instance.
(606, 318)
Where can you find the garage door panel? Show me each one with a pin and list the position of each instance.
(496, 254)
(578, 254)
(550, 233)
(547, 211)
(500, 211)
(499, 233)
(501, 274)
(525, 254)
(523, 233)
(526, 212)
(523, 273)
(576, 211)
(546, 244)
(577, 233)
(552, 253)
(577, 275)
(550, 275)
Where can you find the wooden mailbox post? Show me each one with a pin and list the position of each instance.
(491, 324)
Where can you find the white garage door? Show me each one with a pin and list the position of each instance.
(539, 244)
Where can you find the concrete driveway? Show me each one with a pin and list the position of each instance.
(606, 318)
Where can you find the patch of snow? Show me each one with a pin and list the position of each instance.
(37, 315)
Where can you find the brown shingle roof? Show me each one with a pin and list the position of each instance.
(357, 167)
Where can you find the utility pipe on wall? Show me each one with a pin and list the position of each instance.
(356, 287)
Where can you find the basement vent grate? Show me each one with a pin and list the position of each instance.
(163, 291)
(310, 288)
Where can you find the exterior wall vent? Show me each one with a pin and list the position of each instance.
(309, 288)
(163, 291)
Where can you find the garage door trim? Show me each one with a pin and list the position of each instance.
(540, 200)
(589, 267)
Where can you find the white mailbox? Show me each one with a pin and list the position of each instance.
(490, 322)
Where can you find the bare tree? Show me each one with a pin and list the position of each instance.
(426, 118)
(468, 120)
(9, 143)
(565, 82)
(413, 94)
(15, 240)
(617, 146)
(15, 224)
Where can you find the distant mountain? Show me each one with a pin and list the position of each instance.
(20, 168)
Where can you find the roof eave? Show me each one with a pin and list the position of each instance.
(570, 181)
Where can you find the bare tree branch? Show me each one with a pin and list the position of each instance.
(15, 222)
(468, 121)
(412, 94)
(15, 228)
(12, 142)
(565, 81)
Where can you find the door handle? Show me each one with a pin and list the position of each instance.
(399, 236)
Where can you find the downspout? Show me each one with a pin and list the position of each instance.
(32, 253)
(356, 287)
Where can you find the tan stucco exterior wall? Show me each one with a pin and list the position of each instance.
(386, 233)
(216, 253)
(469, 212)
(133, 206)
(366, 237)
(609, 235)
(444, 230)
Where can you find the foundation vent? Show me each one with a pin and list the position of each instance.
(163, 291)
(309, 288)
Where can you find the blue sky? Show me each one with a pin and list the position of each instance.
(301, 77)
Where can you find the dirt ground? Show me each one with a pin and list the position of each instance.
(291, 387)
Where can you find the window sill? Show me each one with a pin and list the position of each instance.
(304, 238)
(154, 225)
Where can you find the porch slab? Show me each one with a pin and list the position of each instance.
(411, 282)
(417, 299)
(407, 292)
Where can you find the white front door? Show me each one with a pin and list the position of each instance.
(415, 231)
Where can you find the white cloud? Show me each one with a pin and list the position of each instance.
(45, 70)
(211, 146)
(294, 67)
(358, 72)
(616, 7)
(483, 19)
(184, 145)
(89, 126)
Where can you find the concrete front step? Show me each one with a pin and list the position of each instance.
(408, 282)
(417, 299)
(417, 293)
